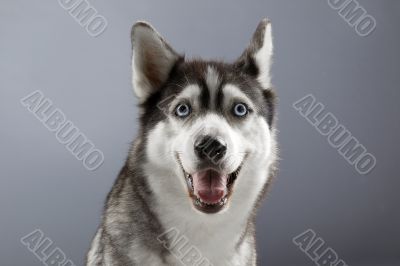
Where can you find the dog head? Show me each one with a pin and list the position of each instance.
(207, 125)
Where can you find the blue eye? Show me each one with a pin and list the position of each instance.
(240, 110)
(182, 110)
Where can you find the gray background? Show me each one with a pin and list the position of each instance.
(357, 78)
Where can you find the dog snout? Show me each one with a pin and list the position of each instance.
(209, 148)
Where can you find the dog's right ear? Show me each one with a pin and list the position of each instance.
(152, 60)
(256, 59)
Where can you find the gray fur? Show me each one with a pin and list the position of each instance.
(131, 222)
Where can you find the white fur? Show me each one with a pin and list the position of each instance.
(149, 48)
(232, 93)
(250, 144)
(263, 58)
(212, 81)
(213, 234)
(92, 257)
(190, 93)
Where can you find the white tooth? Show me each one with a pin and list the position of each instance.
(197, 202)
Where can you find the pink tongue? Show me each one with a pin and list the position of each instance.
(209, 186)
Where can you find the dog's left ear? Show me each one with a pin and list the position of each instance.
(152, 60)
(256, 59)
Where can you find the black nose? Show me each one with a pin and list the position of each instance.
(210, 148)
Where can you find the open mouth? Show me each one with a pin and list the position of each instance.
(209, 189)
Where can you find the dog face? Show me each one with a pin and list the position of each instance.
(207, 126)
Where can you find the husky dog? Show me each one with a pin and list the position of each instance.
(203, 159)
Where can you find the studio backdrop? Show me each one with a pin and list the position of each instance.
(336, 73)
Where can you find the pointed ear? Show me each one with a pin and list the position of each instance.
(256, 59)
(152, 60)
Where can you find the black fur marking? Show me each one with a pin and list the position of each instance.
(129, 213)
(220, 97)
(194, 72)
(205, 95)
(270, 99)
(248, 66)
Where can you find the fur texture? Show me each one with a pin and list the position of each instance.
(154, 191)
